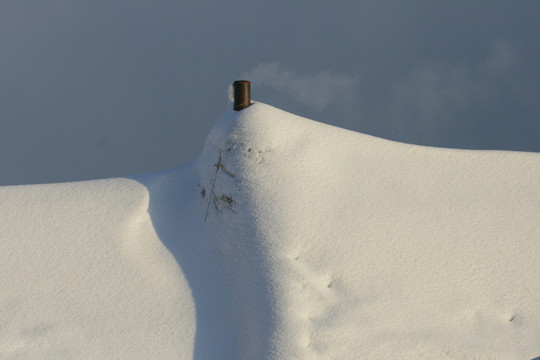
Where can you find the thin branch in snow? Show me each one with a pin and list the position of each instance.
(218, 165)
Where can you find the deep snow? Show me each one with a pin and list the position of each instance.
(284, 239)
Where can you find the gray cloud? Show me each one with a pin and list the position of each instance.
(437, 95)
(316, 90)
(94, 89)
(502, 56)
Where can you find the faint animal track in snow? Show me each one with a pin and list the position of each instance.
(315, 298)
(15, 341)
(257, 155)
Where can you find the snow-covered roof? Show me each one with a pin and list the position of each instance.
(285, 239)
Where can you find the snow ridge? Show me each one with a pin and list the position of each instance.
(335, 244)
(285, 239)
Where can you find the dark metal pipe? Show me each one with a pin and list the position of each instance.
(242, 94)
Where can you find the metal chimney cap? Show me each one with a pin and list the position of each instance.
(242, 94)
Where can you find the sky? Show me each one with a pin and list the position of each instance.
(97, 89)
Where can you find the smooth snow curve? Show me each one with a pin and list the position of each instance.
(84, 276)
(292, 240)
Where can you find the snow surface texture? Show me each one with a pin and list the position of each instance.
(292, 240)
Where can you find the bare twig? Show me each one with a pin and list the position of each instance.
(218, 165)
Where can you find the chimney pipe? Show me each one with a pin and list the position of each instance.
(242, 94)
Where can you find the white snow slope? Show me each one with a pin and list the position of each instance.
(284, 239)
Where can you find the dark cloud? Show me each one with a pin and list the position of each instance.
(112, 88)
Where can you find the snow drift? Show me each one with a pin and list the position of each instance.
(284, 239)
